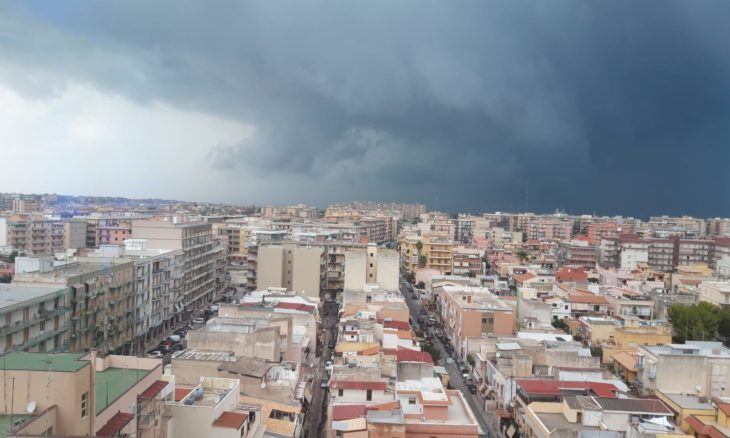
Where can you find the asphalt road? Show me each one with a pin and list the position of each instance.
(486, 420)
(315, 418)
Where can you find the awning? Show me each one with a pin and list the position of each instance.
(115, 424)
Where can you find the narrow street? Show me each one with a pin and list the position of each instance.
(486, 420)
(315, 418)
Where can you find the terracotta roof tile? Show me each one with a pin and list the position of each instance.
(408, 355)
(230, 420)
(115, 424)
(155, 388)
(347, 412)
(556, 387)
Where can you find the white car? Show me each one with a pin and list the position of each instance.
(155, 355)
(199, 321)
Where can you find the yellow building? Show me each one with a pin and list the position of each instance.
(633, 335)
(434, 251)
(686, 405)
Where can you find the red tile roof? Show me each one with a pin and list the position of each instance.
(524, 277)
(181, 393)
(357, 384)
(347, 412)
(571, 274)
(230, 420)
(586, 298)
(115, 424)
(407, 355)
(155, 388)
(296, 306)
(555, 387)
(399, 325)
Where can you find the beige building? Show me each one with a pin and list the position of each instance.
(715, 292)
(203, 259)
(693, 367)
(32, 235)
(22, 204)
(262, 338)
(372, 265)
(74, 233)
(472, 312)
(433, 251)
(71, 394)
(291, 266)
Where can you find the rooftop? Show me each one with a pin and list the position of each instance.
(689, 401)
(6, 425)
(218, 356)
(56, 362)
(13, 295)
(113, 383)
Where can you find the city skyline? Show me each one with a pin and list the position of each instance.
(264, 103)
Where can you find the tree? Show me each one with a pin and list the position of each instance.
(471, 274)
(597, 351)
(470, 359)
(433, 351)
(410, 277)
(699, 322)
(559, 324)
(422, 261)
(723, 328)
(11, 258)
(421, 285)
(521, 255)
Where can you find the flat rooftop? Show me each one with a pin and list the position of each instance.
(6, 425)
(56, 362)
(112, 383)
(217, 356)
(12, 295)
(689, 401)
(235, 325)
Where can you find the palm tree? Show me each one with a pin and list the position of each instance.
(522, 255)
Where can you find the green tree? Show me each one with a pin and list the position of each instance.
(433, 351)
(470, 360)
(699, 322)
(11, 258)
(559, 324)
(471, 274)
(421, 285)
(410, 277)
(422, 261)
(723, 328)
(521, 255)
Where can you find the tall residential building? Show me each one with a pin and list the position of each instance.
(718, 227)
(28, 204)
(576, 252)
(434, 251)
(550, 228)
(33, 318)
(299, 268)
(74, 233)
(203, 258)
(372, 265)
(32, 235)
(101, 301)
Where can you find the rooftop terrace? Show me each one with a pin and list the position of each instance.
(56, 362)
(113, 383)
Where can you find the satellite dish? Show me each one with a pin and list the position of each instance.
(31, 407)
(698, 388)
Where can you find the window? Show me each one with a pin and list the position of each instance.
(369, 395)
(84, 404)
(340, 392)
(371, 265)
(484, 320)
(412, 401)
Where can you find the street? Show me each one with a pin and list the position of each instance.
(315, 417)
(486, 420)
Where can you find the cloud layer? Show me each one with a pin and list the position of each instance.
(615, 107)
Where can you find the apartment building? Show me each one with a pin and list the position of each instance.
(715, 292)
(300, 268)
(32, 235)
(28, 204)
(467, 262)
(718, 227)
(74, 233)
(544, 228)
(34, 318)
(432, 251)
(693, 367)
(101, 301)
(372, 265)
(203, 259)
(576, 253)
(471, 312)
(72, 394)
(267, 338)
(598, 231)
(684, 227)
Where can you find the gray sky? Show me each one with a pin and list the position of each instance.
(617, 107)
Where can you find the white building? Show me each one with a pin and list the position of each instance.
(372, 265)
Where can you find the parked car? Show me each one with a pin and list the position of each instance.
(199, 321)
(173, 338)
(156, 354)
(181, 332)
(325, 383)
(332, 344)
(414, 296)
(178, 347)
(165, 349)
(472, 388)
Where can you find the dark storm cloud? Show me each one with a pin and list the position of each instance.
(616, 107)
